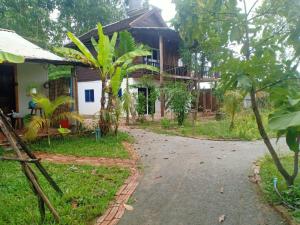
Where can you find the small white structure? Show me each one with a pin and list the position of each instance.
(15, 79)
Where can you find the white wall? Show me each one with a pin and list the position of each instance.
(28, 74)
(89, 108)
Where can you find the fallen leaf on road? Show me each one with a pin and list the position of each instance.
(158, 177)
(221, 218)
(128, 207)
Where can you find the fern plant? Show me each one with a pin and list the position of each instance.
(49, 116)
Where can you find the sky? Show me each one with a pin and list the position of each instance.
(168, 8)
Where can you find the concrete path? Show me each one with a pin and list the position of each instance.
(183, 178)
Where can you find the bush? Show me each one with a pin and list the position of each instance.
(141, 106)
(165, 123)
(179, 100)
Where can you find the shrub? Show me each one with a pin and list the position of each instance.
(179, 100)
(165, 123)
(141, 106)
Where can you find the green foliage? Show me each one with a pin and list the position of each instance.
(49, 117)
(165, 123)
(291, 194)
(245, 128)
(269, 53)
(285, 119)
(81, 16)
(30, 19)
(111, 65)
(88, 192)
(232, 104)
(141, 106)
(10, 58)
(37, 22)
(109, 146)
(179, 100)
(56, 72)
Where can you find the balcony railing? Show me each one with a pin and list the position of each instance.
(182, 71)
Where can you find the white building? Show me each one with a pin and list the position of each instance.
(15, 79)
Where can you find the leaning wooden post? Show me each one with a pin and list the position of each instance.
(29, 153)
(28, 171)
(161, 78)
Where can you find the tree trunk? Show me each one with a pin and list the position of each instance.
(267, 141)
(127, 110)
(103, 123)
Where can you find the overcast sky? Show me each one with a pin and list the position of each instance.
(168, 8)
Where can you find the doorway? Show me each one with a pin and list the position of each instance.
(7, 88)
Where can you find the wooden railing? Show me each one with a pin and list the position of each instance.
(183, 71)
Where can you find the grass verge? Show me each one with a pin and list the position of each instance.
(245, 128)
(85, 145)
(87, 193)
(268, 172)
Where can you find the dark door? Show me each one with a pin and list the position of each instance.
(7, 88)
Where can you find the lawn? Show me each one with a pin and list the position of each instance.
(268, 172)
(85, 145)
(245, 128)
(87, 193)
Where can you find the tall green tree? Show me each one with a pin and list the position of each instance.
(265, 57)
(80, 16)
(202, 36)
(29, 18)
(45, 21)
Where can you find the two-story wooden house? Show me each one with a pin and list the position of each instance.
(147, 27)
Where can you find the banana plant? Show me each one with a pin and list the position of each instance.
(49, 117)
(11, 58)
(109, 62)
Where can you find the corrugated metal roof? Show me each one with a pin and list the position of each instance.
(13, 43)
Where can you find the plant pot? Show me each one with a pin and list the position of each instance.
(64, 124)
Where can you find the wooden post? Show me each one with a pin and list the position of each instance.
(75, 89)
(161, 78)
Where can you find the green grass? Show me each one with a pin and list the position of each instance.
(268, 172)
(86, 145)
(245, 128)
(88, 189)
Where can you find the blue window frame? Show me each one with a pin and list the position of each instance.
(89, 95)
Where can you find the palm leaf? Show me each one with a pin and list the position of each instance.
(61, 100)
(68, 115)
(85, 51)
(127, 43)
(11, 58)
(116, 81)
(142, 66)
(131, 55)
(72, 54)
(33, 127)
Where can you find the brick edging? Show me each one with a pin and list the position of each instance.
(116, 210)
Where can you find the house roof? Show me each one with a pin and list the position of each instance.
(15, 44)
(139, 20)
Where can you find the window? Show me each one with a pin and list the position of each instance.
(89, 95)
